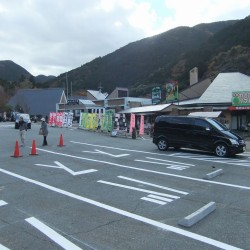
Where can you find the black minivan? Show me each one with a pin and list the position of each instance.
(198, 133)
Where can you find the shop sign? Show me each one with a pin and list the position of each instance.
(73, 102)
(241, 98)
(156, 95)
(172, 92)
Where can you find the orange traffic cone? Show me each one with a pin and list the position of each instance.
(61, 142)
(33, 149)
(16, 151)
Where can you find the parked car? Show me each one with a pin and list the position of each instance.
(13, 116)
(34, 118)
(26, 118)
(198, 133)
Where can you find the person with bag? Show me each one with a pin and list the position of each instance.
(44, 131)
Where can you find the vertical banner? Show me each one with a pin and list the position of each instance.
(116, 122)
(84, 120)
(101, 121)
(95, 120)
(132, 122)
(156, 95)
(59, 119)
(172, 93)
(141, 131)
(70, 119)
(80, 120)
(65, 119)
(52, 119)
(91, 121)
(108, 120)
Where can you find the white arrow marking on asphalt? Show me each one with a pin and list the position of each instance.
(2, 203)
(101, 152)
(60, 165)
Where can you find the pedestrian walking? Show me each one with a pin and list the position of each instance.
(22, 128)
(44, 131)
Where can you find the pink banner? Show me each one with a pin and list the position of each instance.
(59, 119)
(132, 122)
(141, 132)
(52, 119)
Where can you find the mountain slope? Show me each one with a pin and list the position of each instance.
(11, 71)
(154, 60)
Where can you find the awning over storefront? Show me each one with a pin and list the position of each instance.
(149, 109)
(206, 114)
(239, 108)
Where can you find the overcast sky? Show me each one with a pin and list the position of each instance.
(51, 37)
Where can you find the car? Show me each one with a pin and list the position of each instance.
(26, 118)
(198, 133)
(34, 118)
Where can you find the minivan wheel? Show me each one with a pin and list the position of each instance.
(162, 144)
(221, 150)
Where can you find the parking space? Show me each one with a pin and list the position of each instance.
(79, 196)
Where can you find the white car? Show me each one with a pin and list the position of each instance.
(26, 118)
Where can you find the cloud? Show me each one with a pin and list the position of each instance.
(52, 37)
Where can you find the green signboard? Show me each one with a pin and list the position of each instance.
(156, 95)
(172, 93)
(241, 98)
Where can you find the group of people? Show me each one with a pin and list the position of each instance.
(23, 129)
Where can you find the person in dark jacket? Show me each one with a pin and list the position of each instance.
(22, 128)
(45, 131)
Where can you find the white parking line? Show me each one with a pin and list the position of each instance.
(180, 167)
(147, 170)
(175, 162)
(153, 200)
(238, 162)
(176, 167)
(159, 198)
(172, 164)
(52, 234)
(138, 189)
(3, 247)
(153, 185)
(121, 149)
(154, 223)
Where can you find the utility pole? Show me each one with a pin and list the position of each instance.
(71, 89)
(67, 90)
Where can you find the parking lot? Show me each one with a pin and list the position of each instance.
(103, 192)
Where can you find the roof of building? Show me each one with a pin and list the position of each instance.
(98, 95)
(220, 90)
(146, 109)
(37, 101)
(206, 114)
(87, 102)
(195, 90)
(116, 93)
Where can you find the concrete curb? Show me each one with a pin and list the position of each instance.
(213, 174)
(193, 218)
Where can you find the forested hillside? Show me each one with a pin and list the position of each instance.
(168, 56)
(140, 65)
